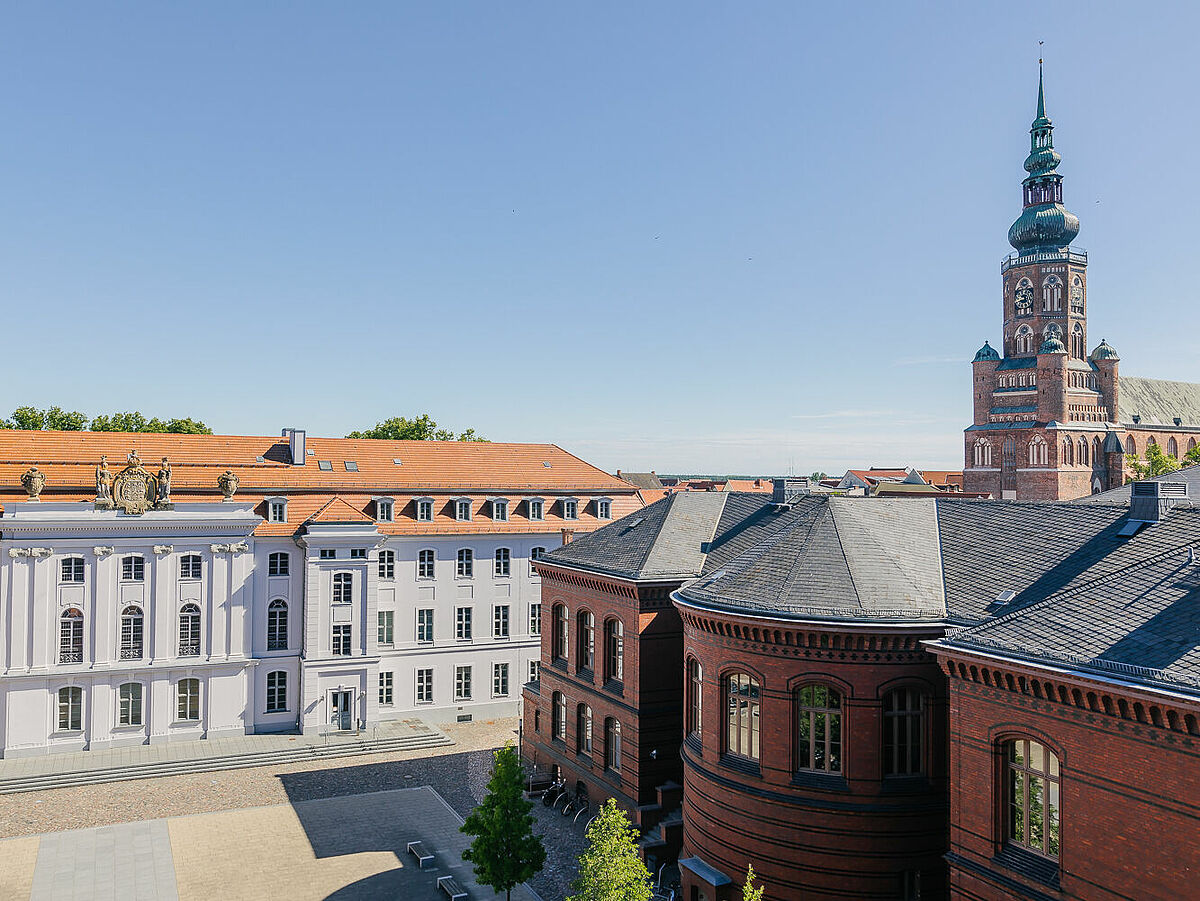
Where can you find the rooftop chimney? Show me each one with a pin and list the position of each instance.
(295, 439)
(568, 535)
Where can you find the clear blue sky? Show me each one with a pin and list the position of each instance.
(689, 236)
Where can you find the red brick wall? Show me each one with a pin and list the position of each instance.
(1130, 792)
(847, 838)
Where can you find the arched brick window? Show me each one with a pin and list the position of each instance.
(1172, 448)
(1130, 445)
(904, 732)
(742, 715)
(1009, 451)
(1037, 451)
(819, 733)
(612, 744)
(587, 641)
(1032, 797)
(695, 706)
(1083, 452)
(558, 635)
(1052, 293)
(1024, 341)
(614, 651)
(983, 452)
(583, 729)
(1068, 452)
(1191, 445)
(558, 717)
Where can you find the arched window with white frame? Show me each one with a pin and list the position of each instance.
(70, 636)
(983, 452)
(131, 633)
(277, 625)
(1052, 294)
(189, 630)
(1024, 342)
(1038, 454)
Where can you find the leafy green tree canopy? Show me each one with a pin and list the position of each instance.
(749, 892)
(421, 428)
(1193, 456)
(505, 851)
(610, 868)
(31, 419)
(1158, 462)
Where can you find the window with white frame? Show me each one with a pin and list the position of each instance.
(387, 623)
(133, 569)
(277, 692)
(425, 686)
(131, 633)
(462, 624)
(385, 689)
(462, 683)
(1037, 451)
(535, 670)
(535, 554)
(189, 630)
(277, 510)
(503, 565)
(499, 509)
(425, 624)
(500, 621)
(466, 563)
(187, 696)
(277, 625)
(129, 704)
(70, 709)
(343, 588)
(190, 566)
(387, 564)
(358, 553)
(425, 562)
(462, 509)
(535, 618)
(570, 508)
(424, 509)
(536, 509)
(385, 509)
(603, 508)
(499, 680)
(71, 569)
(341, 640)
(328, 553)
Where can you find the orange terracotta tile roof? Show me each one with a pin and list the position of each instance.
(438, 469)
(336, 510)
(760, 486)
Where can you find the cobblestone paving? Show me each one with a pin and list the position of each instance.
(458, 773)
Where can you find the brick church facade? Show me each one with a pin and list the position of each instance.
(1051, 420)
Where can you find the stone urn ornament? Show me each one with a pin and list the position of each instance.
(33, 481)
(228, 483)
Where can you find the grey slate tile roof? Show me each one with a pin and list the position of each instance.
(641, 479)
(1158, 402)
(1189, 474)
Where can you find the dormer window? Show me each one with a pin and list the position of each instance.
(385, 509)
(603, 508)
(277, 509)
(462, 509)
(536, 509)
(500, 509)
(570, 508)
(424, 507)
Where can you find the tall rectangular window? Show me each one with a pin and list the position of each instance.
(277, 692)
(425, 511)
(277, 625)
(387, 564)
(70, 637)
(604, 509)
(189, 630)
(503, 562)
(129, 710)
(819, 716)
(462, 624)
(462, 683)
(1033, 797)
(536, 510)
(466, 563)
(70, 709)
(385, 688)
(742, 726)
(500, 621)
(903, 732)
(277, 511)
(500, 510)
(387, 621)
(133, 569)
(187, 694)
(499, 680)
(131, 633)
(535, 670)
(535, 618)
(383, 510)
(72, 569)
(570, 509)
(425, 561)
(343, 584)
(425, 624)
(425, 686)
(462, 510)
(341, 640)
(695, 697)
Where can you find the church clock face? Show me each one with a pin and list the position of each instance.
(1024, 299)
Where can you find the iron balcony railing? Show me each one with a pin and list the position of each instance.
(132, 653)
(1067, 255)
(70, 656)
(189, 649)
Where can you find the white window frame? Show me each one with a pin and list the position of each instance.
(536, 508)
(535, 670)
(502, 563)
(387, 564)
(463, 677)
(462, 509)
(464, 566)
(77, 568)
(423, 622)
(432, 563)
(185, 560)
(499, 509)
(387, 686)
(424, 685)
(277, 509)
(385, 509)
(535, 618)
(342, 596)
(423, 509)
(386, 629)
(464, 626)
(501, 621)
(500, 671)
(570, 508)
(604, 508)
(137, 568)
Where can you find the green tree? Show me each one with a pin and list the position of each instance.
(422, 428)
(1192, 456)
(31, 419)
(817, 476)
(610, 868)
(749, 892)
(133, 421)
(505, 851)
(1158, 462)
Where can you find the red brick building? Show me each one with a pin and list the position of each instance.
(1052, 421)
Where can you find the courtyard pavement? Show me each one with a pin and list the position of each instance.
(345, 848)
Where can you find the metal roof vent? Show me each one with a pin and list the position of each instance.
(784, 492)
(1178, 420)
(1006, 595)
(546, 463)
(1150, 501)
(397, 461)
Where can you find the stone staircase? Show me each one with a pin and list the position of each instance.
(340, 746)
(662, 825)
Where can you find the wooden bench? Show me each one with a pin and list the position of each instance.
(417, 850)
(450, 886)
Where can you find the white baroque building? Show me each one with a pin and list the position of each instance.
(266, 584)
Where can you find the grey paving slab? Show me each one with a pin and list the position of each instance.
(111, 863)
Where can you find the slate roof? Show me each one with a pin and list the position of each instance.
(1189, 474)
(640, 479)
(1140, 622)
(680, 536)
(1158, 402)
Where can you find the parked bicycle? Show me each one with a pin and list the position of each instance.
(557, 789)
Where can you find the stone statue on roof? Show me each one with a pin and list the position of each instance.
(104, 483)
(228, 483)
(33, 481)
(164, 484)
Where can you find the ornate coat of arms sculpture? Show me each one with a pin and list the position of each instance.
(135, 490)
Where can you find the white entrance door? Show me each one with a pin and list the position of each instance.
(342, 710)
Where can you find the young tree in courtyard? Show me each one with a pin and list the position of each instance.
(505, 851)
(1158, 462)
(1192, 457)
(749, 892)
(610, 869)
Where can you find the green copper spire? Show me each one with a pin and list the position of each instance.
(1045, 224)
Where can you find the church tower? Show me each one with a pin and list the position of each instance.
(1042, 404)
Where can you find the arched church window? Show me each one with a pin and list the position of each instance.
(1078, 346)
(1172, 448)
(1083, 452)
(1068, 452)
(1009, 451)
(1097, 451)
(1023, 298)
(1024, 341)
(1052, 293)
(1191, 445)
(1077, 295)
(1130, 445)
(1037, 451)
(983, 452)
